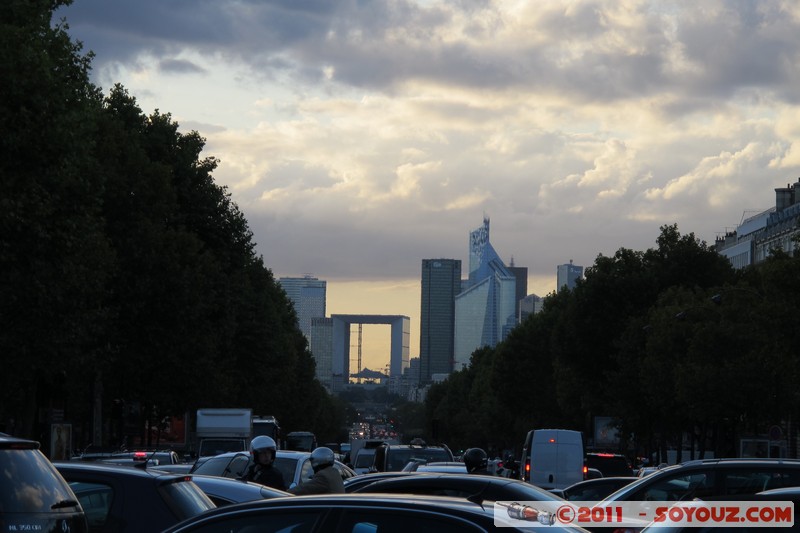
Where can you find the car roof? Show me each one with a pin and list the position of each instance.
(7, 443)
(377, 500)
(122, 470)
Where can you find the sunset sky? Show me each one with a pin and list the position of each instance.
(359, 137)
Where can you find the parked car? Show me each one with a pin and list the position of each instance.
(592, 490)
(711, 477)
(384, 513)
(294, 466)
(121, 499)
(610, 464)
(32, 492)
(490, 488)
(226, 491)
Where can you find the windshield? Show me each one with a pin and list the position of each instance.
(31, 484)
(400, 457)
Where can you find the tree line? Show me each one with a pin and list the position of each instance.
(677, 347)
(129, 278)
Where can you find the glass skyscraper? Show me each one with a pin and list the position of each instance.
(567, 276)
(308, 296)
(441, 282)
(486, 310)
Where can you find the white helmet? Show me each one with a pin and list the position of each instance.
(321, 457)
(263, 443)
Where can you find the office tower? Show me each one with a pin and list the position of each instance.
(308, 296)
(567, 276)
(530, 305)
(320, 344)
(441, 282)
(485, 311)
(521, 275)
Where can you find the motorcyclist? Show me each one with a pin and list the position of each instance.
(326, 480)
(263, 452)
(476, 461)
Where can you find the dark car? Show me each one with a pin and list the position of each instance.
(131, 499)
(711, 477)
(354, 483)
(226, 491)
(609, 464)
(786, 494)
(592, 490)
(489, 488)
(352, 513)
(33, 495)
(394, 457)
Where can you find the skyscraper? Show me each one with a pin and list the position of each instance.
(441, 282)
(567, 275)
(308, 296)
(521, 275)
(485, 310)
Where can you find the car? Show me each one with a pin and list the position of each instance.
(380, 513)
(393, 457)
(610, 464)
(436, 466)
(492, 488)
(704, 478)
(592, 490)
(553, 458)
(295, 466)
(226, 491)
(126, 499)
(362, 462)
(785, 494)
(154, 457)
(361, 480)
(33, 494)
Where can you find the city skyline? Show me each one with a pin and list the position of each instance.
(358, 139)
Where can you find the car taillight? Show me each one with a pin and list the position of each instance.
(605, 455)
(139, 456)
(585, 471)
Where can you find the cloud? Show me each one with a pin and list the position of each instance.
(359, 138)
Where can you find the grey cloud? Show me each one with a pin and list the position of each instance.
(180, 66)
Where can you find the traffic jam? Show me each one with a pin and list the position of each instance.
(249, 477)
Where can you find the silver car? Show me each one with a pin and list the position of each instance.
(294, 466)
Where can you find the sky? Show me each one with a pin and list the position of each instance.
(359, 137)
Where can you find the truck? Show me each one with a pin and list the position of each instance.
(301, 441)
(223, 430)
(268, 426)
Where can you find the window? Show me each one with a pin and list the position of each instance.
(294, 522)
(370, 521)
(96, 501)
(679, 487)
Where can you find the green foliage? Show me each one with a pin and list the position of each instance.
(641, 339)
(123, 263)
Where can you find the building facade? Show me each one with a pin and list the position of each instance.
(567, 276)
(441, 282)
(773, 229)
(308, 295)
(485, 310)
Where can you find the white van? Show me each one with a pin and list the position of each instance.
(552, 458)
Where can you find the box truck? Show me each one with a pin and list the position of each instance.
(223, 430)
